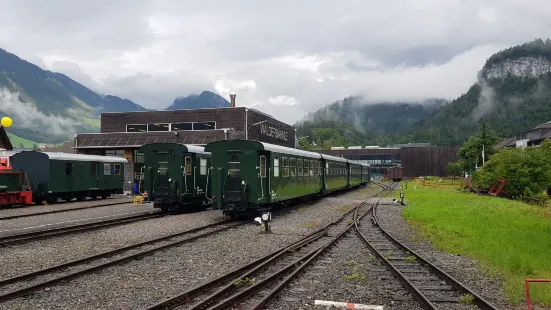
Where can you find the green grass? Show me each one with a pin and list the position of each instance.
(17, 142)
(511, 239)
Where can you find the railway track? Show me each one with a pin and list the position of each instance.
(11, 217)
(19, 238)
(33, 281)
(422, 279)
(256, 284)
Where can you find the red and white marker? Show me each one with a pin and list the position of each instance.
(347, 305)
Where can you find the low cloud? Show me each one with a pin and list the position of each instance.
(26, 115)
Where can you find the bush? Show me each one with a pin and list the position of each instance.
(528, 171)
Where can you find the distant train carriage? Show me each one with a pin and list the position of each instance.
(67, 176)
(177, 176)
(335, 175)
(355, 173)
(396, 173)
(251, 175)
(366, 173)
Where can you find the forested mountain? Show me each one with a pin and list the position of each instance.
(50, 107)
(512, 94)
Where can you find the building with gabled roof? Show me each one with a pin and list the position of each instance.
(532, 137)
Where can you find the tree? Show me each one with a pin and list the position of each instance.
(471, 151)
(454, 169)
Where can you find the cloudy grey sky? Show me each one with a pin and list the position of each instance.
(284, 57)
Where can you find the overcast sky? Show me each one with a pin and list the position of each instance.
(286, 58)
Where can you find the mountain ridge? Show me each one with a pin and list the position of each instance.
(512, 94)
(50, 106)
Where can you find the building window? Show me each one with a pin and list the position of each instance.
(203, 166)
(136, 128)
(68, 168)
(157, 127)
(276, 166)
(204, 126)
(106, 169)
(119, 153)
(182, 126)
(138, 157)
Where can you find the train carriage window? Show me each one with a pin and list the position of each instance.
(262, 166)
(203, 166)
(293, 167)
(163, 168)
(285, 171)
(306, 167)
(311, 171)
(117, 169)
(276, 166)
(106, 169)
(327, 168)
(68, 168)
(188, 165)
(93, 169)
(299, 167)
(233, 165)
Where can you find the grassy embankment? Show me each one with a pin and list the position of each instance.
(19, 142)
(511, 239)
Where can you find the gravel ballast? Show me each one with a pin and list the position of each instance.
(464, 269)
(142, 282)
(61, 206)
(69, 218)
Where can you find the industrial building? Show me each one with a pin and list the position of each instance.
(123, 133)
(417, 159)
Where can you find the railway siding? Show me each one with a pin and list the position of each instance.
(139, 283)
(441, 222)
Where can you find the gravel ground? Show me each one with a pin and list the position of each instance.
(462, 268)
(40, 254)
(142, 282)
(68, 218)
(347, 272)
(61, 206)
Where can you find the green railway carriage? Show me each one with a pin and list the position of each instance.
(335, 174)
(177, 176)
(250, 175)
(354, 173)
(366, 175)
(67, 176)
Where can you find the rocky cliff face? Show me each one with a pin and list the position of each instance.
(519, 67)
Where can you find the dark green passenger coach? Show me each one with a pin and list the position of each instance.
(177, 176)
(251, 176)
(67, 176)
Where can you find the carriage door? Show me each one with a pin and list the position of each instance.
(162, 186)
(263, 176)
(188, 175)
(232, 185)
